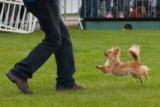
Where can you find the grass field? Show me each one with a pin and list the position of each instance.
(101, 90)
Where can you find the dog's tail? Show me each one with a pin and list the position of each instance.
(135, 51)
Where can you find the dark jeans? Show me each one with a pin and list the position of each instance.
(118, 5)
(56, 40)
(89, 9)
(158, 8)
(85, 10)
(94, 8)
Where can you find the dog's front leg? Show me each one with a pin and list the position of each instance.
(103, 68)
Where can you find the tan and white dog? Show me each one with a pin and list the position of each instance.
(138, 12)
(116, 67)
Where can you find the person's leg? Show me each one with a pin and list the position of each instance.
(94, 8)
(102, 9)
(65, 60)
(85, 10)
(108, 5)
(49, 22)
(82, 9)
(120, 5)
(119, 8)
(88, 8)
(108, 9)
(154, 7)
(158, 8)
(126, 8)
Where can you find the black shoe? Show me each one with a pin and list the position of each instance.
(20, 83)
(75, 87)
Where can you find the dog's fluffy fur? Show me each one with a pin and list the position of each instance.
(139, 12)
(115, 66)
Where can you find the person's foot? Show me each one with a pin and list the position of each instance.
(75, 87)
(109, 15)
(20, 83)
(120, 15)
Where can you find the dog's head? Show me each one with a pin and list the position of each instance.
(112, 53)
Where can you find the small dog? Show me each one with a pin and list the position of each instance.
(115, 66)
(138, 12)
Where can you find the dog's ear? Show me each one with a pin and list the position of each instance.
(117, 50)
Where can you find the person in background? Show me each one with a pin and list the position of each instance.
(118, 8)
(94, 8)
(89, 9)
(85, 10)
(102, 8)
(127, 8)
(158, 8)
(153, 5)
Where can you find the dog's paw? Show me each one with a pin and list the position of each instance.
(99, 67)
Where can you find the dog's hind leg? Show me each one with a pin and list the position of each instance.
(141, 79)
(146, 75)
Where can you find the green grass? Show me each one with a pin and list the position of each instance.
(101, 90)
